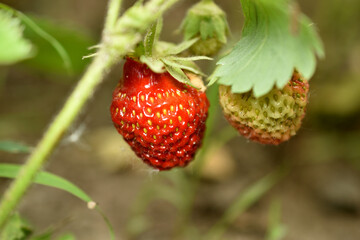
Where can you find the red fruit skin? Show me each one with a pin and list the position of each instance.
(162, 119)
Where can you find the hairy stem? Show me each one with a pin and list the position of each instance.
(72, 107)
(112, 13)
(120, 36)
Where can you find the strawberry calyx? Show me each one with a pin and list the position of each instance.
(162, 56)
(206, 21)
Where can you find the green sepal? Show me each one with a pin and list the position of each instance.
(154, 64)
(191, 26)
(178, 74)
(193, 58)
(269, 50)
(152, 37)
(149, 40)
(206, 29)
(185, 65)
(176, 49)
(162, 56)
(220, 26)
(207, 20)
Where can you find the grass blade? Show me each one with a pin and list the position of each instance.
(14, 147)
(276, 230)
(47, 179)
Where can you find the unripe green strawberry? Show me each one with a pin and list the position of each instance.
(270, 119)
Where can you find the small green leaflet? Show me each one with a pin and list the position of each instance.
(13, 46)
(272, 45)
(14, 147)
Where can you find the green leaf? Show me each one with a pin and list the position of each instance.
(47, 179)
(13, 46)
(16, 229)
(269, 50)
(14, 147)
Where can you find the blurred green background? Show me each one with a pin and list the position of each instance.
(319, 197)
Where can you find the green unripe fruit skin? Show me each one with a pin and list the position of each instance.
(270, 119)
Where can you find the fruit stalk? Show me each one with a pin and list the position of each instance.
(106, 57)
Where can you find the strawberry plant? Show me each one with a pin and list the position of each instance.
(160, 106)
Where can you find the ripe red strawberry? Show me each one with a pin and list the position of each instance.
(270, 119)
(162, 119)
